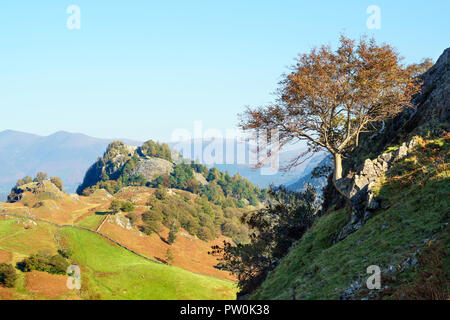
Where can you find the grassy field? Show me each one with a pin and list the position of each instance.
(108, 271)
(416, 192)
(92, 222)
(16, 238)
(114, 273)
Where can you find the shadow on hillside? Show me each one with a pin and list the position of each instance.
(163, 240)
(161, 260)
(102, 213)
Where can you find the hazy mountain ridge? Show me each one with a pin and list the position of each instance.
(69, 156)
(63, 154)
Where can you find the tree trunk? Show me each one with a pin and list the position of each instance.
(337, 166)
(338, 173)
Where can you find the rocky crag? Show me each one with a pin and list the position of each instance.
(119, 158)
(431, 115)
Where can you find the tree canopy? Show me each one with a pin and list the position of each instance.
(330, 97)
(157, 150)
(273, 231)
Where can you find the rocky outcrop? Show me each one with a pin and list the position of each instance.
(153, 167)
(123, 160)
(434, 101)
(200, 178)
(45, 189)
(121, 221)
(360, 188)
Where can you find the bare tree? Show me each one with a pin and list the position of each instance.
(331, 97)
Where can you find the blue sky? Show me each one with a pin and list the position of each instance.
(140, 69)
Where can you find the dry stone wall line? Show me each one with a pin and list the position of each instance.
(102, 223)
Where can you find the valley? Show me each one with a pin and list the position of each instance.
(76, 219)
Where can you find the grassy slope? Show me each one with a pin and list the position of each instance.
(115, 273)
(92, 221)
(417, 192)
(108, 271)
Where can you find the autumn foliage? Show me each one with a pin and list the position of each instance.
(331, 97)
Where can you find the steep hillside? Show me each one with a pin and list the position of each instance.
(397, 182)
(401, 236)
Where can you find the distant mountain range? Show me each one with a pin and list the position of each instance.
(63, 154)
(69, 155)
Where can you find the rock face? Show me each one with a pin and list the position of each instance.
(119, 156)
(360, 188)
(200, 178)
(434, 102)
(153, 167)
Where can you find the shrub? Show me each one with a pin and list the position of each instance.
(128, 206)
(44, 262)
(116, 206)
(133, 217)
(154, 149)
(40, 177)
(25, 180)
(8, 275)
(57, 182)
(152, 222)
(160, 193)
(205, 234)
(172, 235)
(169, 256)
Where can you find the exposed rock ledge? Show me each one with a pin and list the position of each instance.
(360, 188)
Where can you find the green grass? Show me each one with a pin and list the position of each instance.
(15, 238)
(110, 272)
(92, 221)
(417, 190)
(8, 227)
